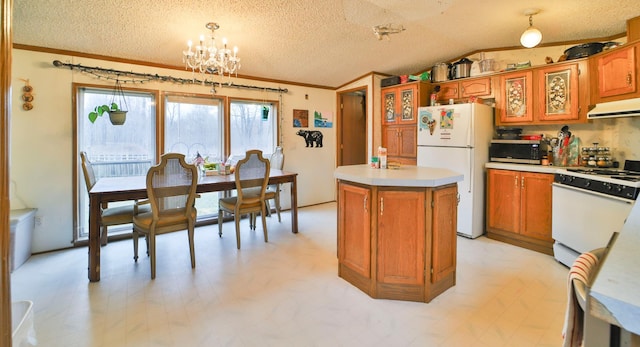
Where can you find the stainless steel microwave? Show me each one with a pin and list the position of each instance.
(517, 151)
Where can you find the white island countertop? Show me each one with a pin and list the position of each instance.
(615, 293)
(405, 176)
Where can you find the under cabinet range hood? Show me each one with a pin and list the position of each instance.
(621, 108)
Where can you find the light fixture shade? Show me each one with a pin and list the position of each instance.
(531, 37)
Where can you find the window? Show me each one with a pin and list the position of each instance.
(193, 125)
(122, 150)
(252, 125)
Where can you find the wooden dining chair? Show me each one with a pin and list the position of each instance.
(171, 188)
(273, 190)
(251, 172)
(109, 216)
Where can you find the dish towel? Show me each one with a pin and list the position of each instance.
(573, 322)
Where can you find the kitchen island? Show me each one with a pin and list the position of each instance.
(397, 230)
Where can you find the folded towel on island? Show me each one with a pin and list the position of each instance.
(574, 318)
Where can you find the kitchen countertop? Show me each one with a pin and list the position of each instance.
(615, 293)
(405, 176)
(524, 167)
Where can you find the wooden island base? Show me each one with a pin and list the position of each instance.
(397, 242)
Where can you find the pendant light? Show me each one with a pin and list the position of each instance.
(532, 36)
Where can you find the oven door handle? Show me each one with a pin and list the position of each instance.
(585, 191)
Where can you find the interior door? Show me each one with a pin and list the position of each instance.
(353, 130)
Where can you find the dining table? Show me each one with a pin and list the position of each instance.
(111, 189)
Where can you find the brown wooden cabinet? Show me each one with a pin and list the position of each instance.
(549, 94)
(515, 100)
(558, 93)
(354, 249)
(519, 208)
(464, 88)
(399, 118)
(615, 74)
(397, 242)
(401, 143)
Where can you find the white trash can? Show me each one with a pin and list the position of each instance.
(22, 223)
(24, 335)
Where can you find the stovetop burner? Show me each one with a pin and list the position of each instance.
(620, 183)
(626, 175)
(634, 178)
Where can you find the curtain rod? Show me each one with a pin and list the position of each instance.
(137, 77)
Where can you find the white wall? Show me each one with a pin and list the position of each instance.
(42, 153)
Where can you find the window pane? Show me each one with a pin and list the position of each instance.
(114, 150)
(251, 128)
(193, 125)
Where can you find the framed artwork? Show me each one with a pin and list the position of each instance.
(322, 119)
(300, 118)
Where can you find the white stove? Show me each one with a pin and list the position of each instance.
(589, 205)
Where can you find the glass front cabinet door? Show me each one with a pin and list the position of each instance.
(558, 93)
(516, 104)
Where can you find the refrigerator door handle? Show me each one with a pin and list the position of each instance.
(470, 173)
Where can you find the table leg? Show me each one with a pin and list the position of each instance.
(94, 238)
(294, 206)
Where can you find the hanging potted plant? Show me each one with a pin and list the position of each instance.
(117, 113)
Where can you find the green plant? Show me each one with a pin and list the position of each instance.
(102, 109)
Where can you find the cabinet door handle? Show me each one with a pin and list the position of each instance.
(516, 180)
(365, 203)
(522, 184)
(381, 206)
(629, 78)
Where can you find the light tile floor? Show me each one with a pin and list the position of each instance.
(285, 293)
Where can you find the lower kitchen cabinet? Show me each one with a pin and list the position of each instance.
(397, 242)
(519, 208)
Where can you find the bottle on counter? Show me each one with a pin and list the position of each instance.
(382, 157)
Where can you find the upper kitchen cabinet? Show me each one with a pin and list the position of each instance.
(464, 88)
(400, 102)
(401, 142)
(399, 127)
(615, 74)
(548, 94)
(562, 93)
(515, 98)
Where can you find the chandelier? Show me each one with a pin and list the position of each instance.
(208, 57)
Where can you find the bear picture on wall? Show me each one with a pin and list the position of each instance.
(311, 137)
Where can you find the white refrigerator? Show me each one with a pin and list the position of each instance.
(457, 137)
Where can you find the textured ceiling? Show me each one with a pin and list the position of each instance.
(320, 42)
